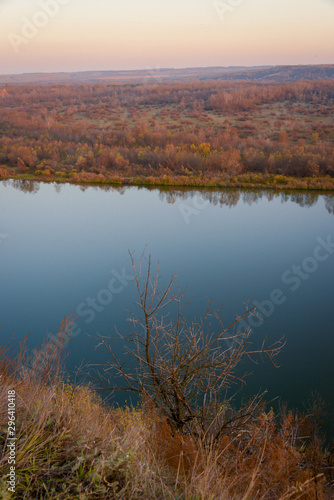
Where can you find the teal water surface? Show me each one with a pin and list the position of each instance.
(64, 249)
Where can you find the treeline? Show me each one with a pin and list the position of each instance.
(181, 129)
(211, 93)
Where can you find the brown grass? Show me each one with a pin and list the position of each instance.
(250, 180)
(72, 446)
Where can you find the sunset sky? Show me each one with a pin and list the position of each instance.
(77, 35)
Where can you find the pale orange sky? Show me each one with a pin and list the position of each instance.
(74, 35)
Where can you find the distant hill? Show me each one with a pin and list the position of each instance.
(258, 73)
(283, 73)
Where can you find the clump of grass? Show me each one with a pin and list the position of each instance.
(70, 445)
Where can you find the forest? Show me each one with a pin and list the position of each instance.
(191, 133)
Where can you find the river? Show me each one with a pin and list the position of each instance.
(64, 249)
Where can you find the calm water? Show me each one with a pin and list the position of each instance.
(61, 245)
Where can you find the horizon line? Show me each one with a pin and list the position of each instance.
(150, 69)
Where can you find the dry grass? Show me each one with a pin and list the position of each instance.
(246, 180)
(72, 446)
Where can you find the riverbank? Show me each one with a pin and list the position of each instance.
(244, 181)
(65, 442)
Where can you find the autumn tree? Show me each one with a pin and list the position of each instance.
(186, 370)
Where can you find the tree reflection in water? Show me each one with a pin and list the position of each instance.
(228, 197)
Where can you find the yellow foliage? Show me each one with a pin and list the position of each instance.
(204, 149)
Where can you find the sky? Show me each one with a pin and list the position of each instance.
(80, 35)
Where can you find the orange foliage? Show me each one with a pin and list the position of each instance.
(210, 128)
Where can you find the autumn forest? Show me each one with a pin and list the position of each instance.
(210, 133)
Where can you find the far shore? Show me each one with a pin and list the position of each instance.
(244, 181)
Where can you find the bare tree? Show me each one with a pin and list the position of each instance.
(185, 370)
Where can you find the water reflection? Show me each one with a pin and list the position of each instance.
(329, 203)
(23, 185)
(218, 197)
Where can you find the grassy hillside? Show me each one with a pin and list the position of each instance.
(71, 445)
